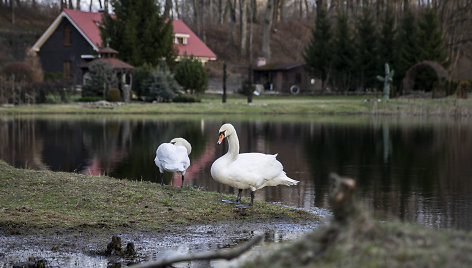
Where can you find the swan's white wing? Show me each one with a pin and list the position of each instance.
(255, 170)
(172, 158)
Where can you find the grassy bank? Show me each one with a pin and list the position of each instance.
(354, 239)
(388, 244)
(45, 199)
(316, 105)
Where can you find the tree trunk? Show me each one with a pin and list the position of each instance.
(254, 11)
(176, 7)
(167, 8)
(220, 11)
(232, 20)
(197, 15)
(77, 4)
(12, 7)
(243, 21)
(210, 13)
(266, 34)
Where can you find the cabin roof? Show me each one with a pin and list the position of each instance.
(279, 66)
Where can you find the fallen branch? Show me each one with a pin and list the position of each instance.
(226, 254)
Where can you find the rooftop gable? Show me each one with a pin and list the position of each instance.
(87, 23)
(194, 45)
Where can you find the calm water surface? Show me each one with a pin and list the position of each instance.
(413, 168)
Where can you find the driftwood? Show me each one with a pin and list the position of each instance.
(341, 198)
(226, 254)
(115, 248)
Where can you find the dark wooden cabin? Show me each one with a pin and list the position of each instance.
(286, 79)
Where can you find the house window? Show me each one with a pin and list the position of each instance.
(67, 35)
(179, 40)
(66, 70)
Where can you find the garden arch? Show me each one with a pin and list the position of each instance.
(409, 79)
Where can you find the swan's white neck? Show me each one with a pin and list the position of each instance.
(233, 145)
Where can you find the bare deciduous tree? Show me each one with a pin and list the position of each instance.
(266, 34)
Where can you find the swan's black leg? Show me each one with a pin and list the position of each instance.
(182, 181)
(250, 204)
(252, 199)
(162, 179)
(238, 198)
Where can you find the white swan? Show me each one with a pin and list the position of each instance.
(246, 171)
(173, 157)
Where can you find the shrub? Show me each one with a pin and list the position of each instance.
(20, 71)
(462, 89)
(155, 83)
(186, 98)
(114, 95)
(53, 98)
(245, 88)
(191, 75)
(142, 79)
(99, 79)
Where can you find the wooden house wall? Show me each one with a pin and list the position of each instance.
(53, 52)
(282, 80)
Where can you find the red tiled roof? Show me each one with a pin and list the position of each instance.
(88, 22)
(194, 45)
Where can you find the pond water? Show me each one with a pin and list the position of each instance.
(417, 169)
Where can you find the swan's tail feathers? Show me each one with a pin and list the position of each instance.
(289, 182)
(284, 180)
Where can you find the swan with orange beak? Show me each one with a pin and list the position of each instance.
(251, 171)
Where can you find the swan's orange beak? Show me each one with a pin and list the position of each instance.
(221, 137)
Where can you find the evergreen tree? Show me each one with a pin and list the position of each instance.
(366, 51)
(343, 54)
(431, 47)
(386, 41)
(317, 54)
(430, 38)
(191, 75)
(138, 32)
(406, 47)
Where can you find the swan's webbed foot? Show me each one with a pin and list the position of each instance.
(238, 199)
(250, 204)
(230, 201)
(243, 206)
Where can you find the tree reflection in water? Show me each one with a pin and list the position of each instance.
(413, 168)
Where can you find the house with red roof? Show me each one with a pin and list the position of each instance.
(73, 39)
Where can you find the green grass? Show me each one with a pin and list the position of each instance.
(237, 104)
(45, 199)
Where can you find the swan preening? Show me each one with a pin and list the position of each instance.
(173, 157)
(246, 171)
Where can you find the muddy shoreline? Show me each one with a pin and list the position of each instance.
(85, 246)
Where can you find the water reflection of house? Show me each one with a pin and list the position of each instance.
(290, 78)
(197, 165)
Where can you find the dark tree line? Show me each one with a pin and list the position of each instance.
(350, 58)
